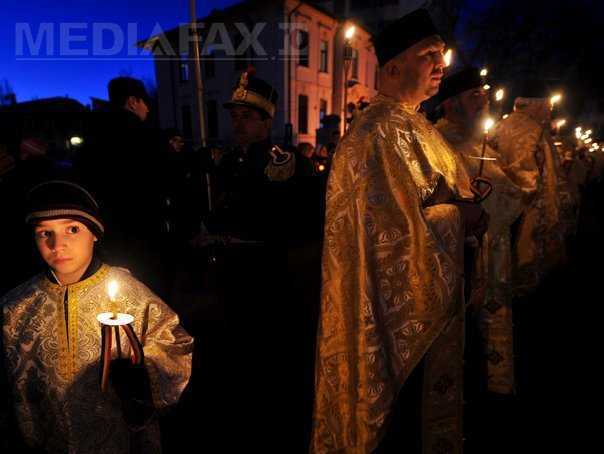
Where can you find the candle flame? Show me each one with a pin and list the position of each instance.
(350, 32)
(484, 72)
(505, 116)
(561, 123)
(578, 134)
(588, 140)
(555, 99)
(112, 290)
(499, 94)
(486, 87)
(588, 132)
(488, 124)
(448, 57)
(321, 168)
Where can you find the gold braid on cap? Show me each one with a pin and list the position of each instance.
(243, 95)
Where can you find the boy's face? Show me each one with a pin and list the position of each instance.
(66, 245)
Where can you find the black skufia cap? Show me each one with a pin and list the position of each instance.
(254, 92)
(457, 83)
(534, 88)
(403, 33)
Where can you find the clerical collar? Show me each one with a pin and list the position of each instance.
(94, 266)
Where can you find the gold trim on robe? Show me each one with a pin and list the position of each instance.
(54, 371)
(527, 158)
(392, 273)
(492, 289)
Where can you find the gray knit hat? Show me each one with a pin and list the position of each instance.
(64, 200)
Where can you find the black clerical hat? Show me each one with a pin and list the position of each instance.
(121, 88)
(457, 83)
(254, 92)
(402, 34)
(534, 88)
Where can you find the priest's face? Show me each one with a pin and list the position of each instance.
(66, 246)
(422, 69)
(474, 104)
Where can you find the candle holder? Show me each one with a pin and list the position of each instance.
(111, 322)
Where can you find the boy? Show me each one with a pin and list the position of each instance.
(51, 340)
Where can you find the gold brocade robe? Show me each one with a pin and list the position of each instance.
(493, 299)
(526, 155)
(53, 368)
(392, 273)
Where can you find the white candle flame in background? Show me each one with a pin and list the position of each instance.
(555, 99)
(505, 116)
(500, 94)
(448, 57)
(488, 124)
(484, 72)
(486, 87)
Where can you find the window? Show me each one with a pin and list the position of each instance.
(303, 114)
(322, 110)
(355, 64)
(183, 67)
(212, 115)
(303, 51)
(187, 124)
(324, 62)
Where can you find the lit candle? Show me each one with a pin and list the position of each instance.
(112, 292)
(499, 95)
(488, 124)
(448, 57)
(484, 72)
(555, 99)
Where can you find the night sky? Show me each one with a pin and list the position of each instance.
(75, 77)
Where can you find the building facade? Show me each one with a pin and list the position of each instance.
(297, 47)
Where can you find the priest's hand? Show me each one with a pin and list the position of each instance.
(475, 218)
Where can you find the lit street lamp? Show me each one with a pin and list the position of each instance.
(348, 35)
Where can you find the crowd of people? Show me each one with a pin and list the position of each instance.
(344, 276)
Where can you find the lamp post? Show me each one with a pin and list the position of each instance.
(199, 92)
(347, 64)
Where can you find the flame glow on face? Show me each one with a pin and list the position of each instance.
(112, 288)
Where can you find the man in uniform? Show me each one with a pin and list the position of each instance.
(258, 226)
(465, 104)
(399, 207)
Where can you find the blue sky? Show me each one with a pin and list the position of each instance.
(76, 78)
